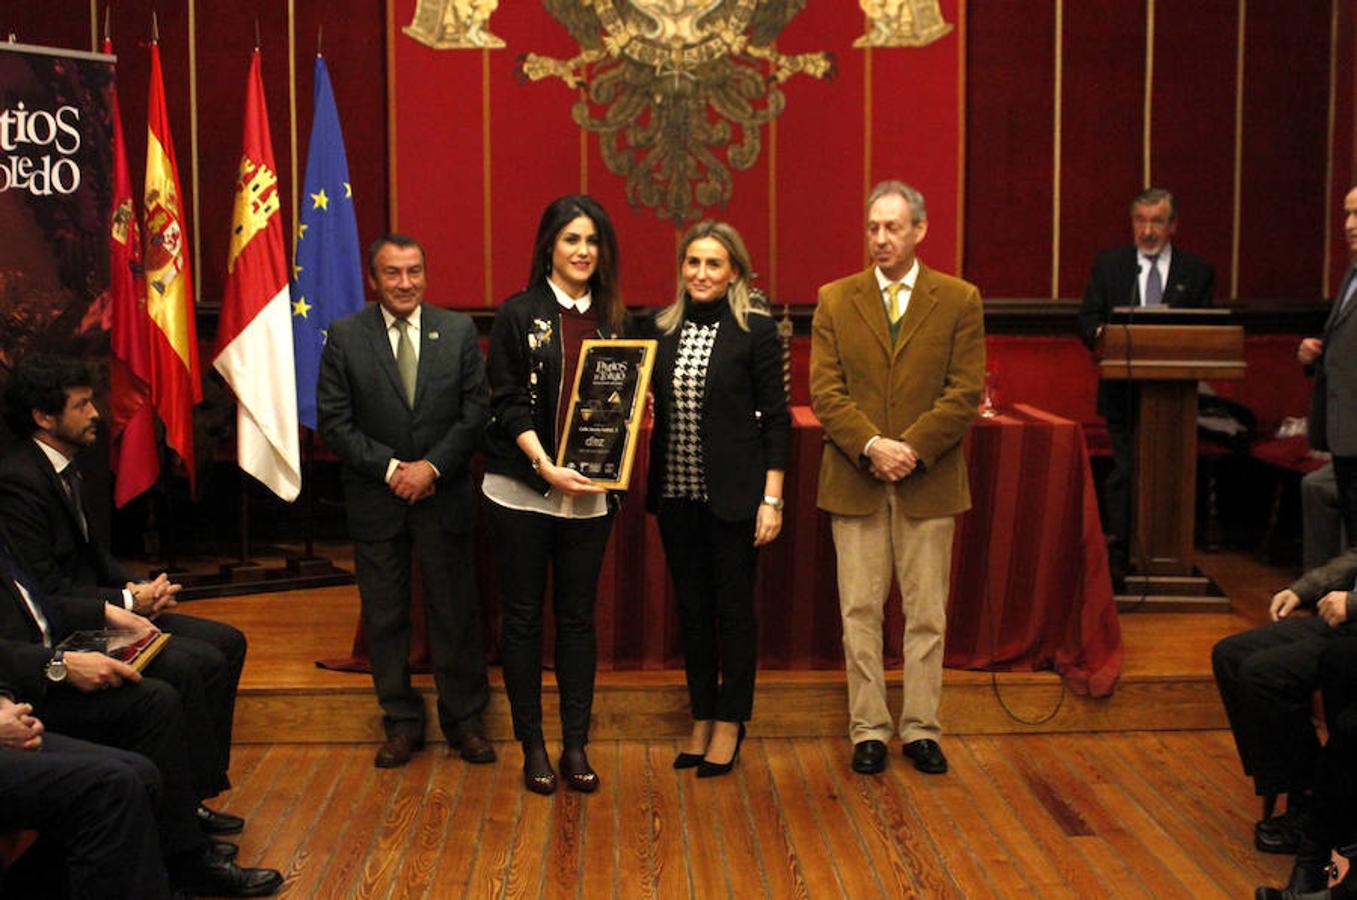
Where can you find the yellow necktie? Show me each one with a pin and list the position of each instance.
(893, 310)
(406, 364)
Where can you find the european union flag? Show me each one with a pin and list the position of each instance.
(328, 270)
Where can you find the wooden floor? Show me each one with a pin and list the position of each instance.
(1162, 814)
(1139, 795)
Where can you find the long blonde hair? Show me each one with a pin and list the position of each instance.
(737, 295)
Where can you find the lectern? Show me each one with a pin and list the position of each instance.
(1166, 361)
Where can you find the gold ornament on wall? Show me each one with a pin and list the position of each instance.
(902, 23)
(682, 89)
(454, 24)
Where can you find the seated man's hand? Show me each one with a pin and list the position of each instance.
(126, 620)
(151, 598)
(1333, 608)
(1283, 604)
(19, 729)
(89, 672)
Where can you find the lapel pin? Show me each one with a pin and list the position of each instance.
(433, 335)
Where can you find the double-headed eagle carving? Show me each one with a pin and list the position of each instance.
(677, 90)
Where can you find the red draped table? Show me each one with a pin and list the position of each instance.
(1030, 584)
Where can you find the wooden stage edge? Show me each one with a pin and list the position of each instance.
(1166, 682)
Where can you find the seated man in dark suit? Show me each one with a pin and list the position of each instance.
(1149, 272)
(1330, 825)
(99, 699)
(93, 807)
(49, 406)
(1267, 677)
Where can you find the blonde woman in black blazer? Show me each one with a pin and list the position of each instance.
(717, 456)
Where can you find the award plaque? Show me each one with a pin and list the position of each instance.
(137, 650)
(606, 408)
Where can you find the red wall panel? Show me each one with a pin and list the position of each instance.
(1010, 136)
(1344, 170)
(1192, 123)
(1103, 137)
(1282, 214)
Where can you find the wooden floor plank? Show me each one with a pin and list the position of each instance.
(561, 871)
(792, 796)
(673, 877)
(704, 830)
(460, 837)
(314, 870)
(636, 874)
(525, 869)
(744, 865)
(431, 828)
(599, 876)
(386, 861)
(781, 867)
(1052, 828)
(1013, 838)
(495, 842)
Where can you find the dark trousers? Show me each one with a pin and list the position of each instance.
(94, 809)
(1345, 475)
(203, 661)
(714, 564)
(1117, 490)
(145, 718)
(1267, 677)
(382, 570)
(1335, 791)
(526, 544)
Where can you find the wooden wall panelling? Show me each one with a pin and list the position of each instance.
(1343, 167)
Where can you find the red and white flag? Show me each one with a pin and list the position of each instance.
(176, 379)
(135, 461)
(254, 343)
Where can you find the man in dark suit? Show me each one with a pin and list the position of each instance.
(99, 699)
(401, 399)
(49, 405)
(1333, 426)
(93, 807)
(1150, 272)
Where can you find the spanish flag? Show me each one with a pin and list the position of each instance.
(254, 343)
(176, 379)
(136, 461)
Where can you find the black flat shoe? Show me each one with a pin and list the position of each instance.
(579, 775)
(213, 822)
(538, 775)
(708, 769)
(687, 760)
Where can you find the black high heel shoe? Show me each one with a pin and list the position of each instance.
(538, 775)
(707, 769)
(687, 760)
(579, 775)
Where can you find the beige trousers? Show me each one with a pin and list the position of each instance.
(920, 553)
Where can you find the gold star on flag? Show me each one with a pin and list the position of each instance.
(320, 200)
(301, 307)
(348, 189)
(301, 230)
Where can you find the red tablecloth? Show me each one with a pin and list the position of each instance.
(1030, 585)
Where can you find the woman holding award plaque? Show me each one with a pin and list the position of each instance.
(543, 515)
(717, 456)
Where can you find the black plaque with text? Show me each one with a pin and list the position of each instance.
(606, 409)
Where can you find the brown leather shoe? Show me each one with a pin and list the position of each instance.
(397, 751)
(474, 748)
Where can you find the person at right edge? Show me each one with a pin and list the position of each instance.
(718, 454)
(1149, 272)
(897, 361)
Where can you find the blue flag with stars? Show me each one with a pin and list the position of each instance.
(328, 270)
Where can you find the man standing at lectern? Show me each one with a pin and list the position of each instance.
(401, 400)
(896, 364)
(1333, 408)
(1149, 272)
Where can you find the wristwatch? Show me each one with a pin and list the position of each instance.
(56, 667)
(775, 502)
